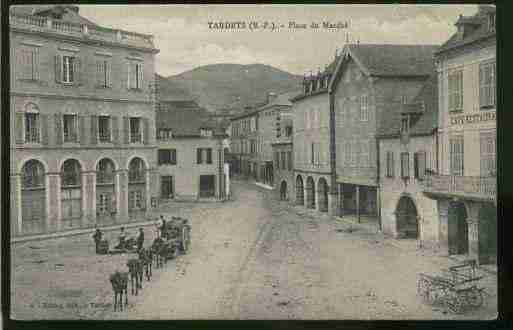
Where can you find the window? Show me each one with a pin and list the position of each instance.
(135, 75)
(165, 134)
(419, 165)
(277, 160)
(68, 69)
(487, 85)
(70, 175)
(205, 132)
(405, 125)
(167, 156)
(135, 130)
(28, 60)
(456, 155)
(390, 164)
(136, 171)
(70, 128)
(253, 146)
(348, 153)
(405, 165)
(105, 171)
(491, 22)
(33, 175)
(488, 163)
(355, 150)
(32, 128)
(312, 154)
(288, 131)
(104, 129)
(456, 90)
(364, 110)
(283, 160)
(135, 200)
(289, 158)
(204, 154)
(341, 114)
(103, 73)
(166, 186)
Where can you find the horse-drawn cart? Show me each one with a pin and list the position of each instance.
(456, 288)
(178, 232)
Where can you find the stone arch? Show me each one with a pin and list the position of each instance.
(62, 161)
(129, 160)
(310, 193)
(322, 191)
(31, 107)
(137, 192)
(406, 217)
(22, 163)
(300, 193)
(106, 200)
(457, 215)
(284, 193)
(71, 193)
(96, 163)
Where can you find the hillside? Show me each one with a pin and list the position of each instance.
(221, 86)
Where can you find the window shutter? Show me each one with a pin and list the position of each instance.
(107, 74)
(35, 63)
(422, 165)
(141, 76)
(198, 156)
(58, 129)
(77, 67)
(129, 75)
(20, 116)
(115, 129)
(82, 130)
(58, 69)
(126, 129)
(392, 165)
(173, 156)
(44, 128)
(94, 130)
(146, 132)
(99, 73)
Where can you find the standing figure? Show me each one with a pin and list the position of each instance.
(140, 239)
(122, 238)
(97, 237)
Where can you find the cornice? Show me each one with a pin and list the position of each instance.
(71, 97)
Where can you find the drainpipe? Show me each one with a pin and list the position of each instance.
(378, 183)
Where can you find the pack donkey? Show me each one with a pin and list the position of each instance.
(135, 268)
(119, 281)
(146, 257)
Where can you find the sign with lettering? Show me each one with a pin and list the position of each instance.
(473, 118)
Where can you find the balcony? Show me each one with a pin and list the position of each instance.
(470, 187)
(83, 31)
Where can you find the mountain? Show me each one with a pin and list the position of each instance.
(227, 86)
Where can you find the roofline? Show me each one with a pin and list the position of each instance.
(464, 44)
(398, 135)
(304, 96)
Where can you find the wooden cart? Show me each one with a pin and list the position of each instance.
(456, 288)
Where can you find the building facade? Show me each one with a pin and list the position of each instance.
(191, 154)
(283, 169)
(370, 81)
(312, 144)
(82, 103)
(244, 142)
(465, 183)
(407, 155)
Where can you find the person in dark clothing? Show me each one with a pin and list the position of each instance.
(97, 238)
(163, 233)
(140, 239)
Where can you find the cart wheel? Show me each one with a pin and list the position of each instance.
(475, 298)
(456, 304)
(185, 240)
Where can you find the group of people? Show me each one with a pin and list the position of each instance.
(160, 225)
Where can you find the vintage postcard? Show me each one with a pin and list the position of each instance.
(244, 162)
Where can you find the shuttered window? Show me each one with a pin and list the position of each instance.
(364, 154)
(167, 156)
(488, 158)
(103, 72)
(405, 165)
(68, 69)
(486, 85)
(135, 75)
(70, 127)
(419, 164)
(455, 92)
(28, 63)
(209, 155)
(32, 130)
(104, 130)
(364, 109)
(390, 164)
(289, 158)
(135, 130)
(456, 155)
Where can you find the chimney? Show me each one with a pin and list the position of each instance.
(271, 96)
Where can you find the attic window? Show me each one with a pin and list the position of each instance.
(205, 132)
(491, 22)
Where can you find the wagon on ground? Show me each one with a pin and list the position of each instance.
(456, 288)
(177, 232)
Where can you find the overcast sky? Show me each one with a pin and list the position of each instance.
(185, 41)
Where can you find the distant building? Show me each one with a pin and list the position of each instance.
(244, 143)
(370, 82)
(465, 184)
(283, 169)
(82, 148)
(313, 166)
(407, 155)
(190, 153)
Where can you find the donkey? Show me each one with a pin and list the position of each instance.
(146, 257)
(135, 268)
(119, 281)
(157, 250)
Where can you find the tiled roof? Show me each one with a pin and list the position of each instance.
(185, 120)
(70, 13)
(425, 103)
(394, 60)
(480, 30)
(281, 99)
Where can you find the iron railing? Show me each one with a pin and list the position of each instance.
(475, 186)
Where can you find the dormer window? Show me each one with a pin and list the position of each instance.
(491, 22)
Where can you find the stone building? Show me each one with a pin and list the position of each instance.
(465, 184)
(283, 169)
(190, 153)
(244, 142)
(313, 165)
(407, 154)
(369, 80)
(82, 148)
